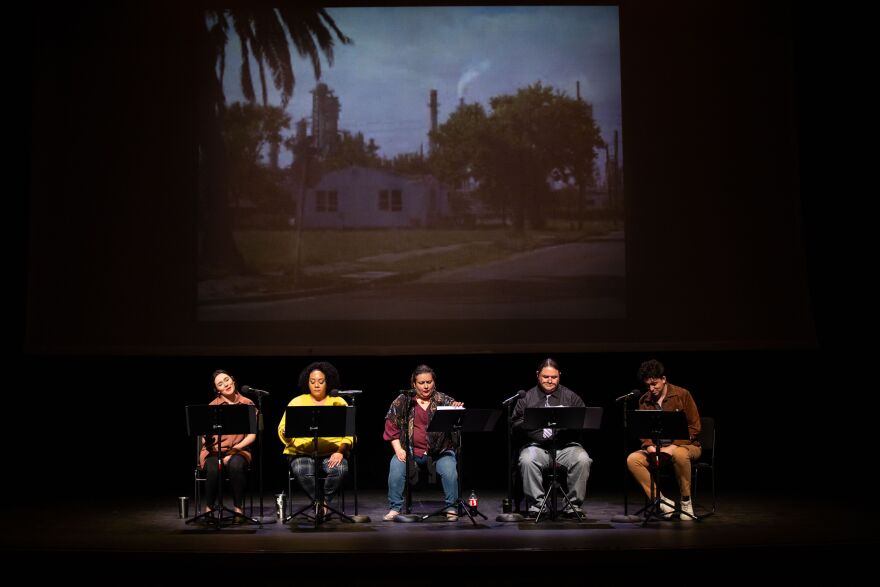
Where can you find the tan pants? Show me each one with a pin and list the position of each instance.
(682, 456)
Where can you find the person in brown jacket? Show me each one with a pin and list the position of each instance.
(662, 395)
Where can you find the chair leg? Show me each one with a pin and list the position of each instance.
(289, 496)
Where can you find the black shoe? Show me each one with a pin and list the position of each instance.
(575, 514)
(531, 514)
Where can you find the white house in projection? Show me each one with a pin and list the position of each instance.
(361, 197)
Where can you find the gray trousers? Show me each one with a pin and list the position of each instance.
(533, 460)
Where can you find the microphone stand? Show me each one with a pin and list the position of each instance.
(357, 518)
(406, 516)
(625, 517)
(510, 516)
(272, 519)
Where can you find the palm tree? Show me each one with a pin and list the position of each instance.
(263, 34)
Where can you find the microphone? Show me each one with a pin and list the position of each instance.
(335, 392)
(633, 393)
(519, 394)
(253, 390)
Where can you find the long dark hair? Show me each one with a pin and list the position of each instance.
(548, 362)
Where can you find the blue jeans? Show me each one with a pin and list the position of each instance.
(446, 468)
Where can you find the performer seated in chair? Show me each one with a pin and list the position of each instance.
(662, 395)
(535, 457)
(315, 381)
(441, 447)
(236, 454)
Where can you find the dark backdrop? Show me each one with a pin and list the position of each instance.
(110, 249)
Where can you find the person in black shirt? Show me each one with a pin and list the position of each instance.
(535, 456)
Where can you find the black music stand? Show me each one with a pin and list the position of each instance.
(559, 418)
(659, 426)
(221, 420)
(318, 421)
(455, 419)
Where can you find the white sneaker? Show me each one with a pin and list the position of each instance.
(688, 508)
(391, 515)
(666, 506)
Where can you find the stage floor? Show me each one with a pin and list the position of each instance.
(144, 539)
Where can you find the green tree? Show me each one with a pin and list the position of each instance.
(409, 164)
(541, 132)
(531, 135)
(460, 144)
(249, 130)
(351, 150)
(264, 34)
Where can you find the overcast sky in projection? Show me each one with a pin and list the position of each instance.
(383, 80)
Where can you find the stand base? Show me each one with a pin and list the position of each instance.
(550, 506)
(407, 518)
(621, 518)
(217, 518)
(360, 519)
(509, 518)
(653, 510)
(317, 517)
(463, 509)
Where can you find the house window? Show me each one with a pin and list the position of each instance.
(326, 201)
(390, 200)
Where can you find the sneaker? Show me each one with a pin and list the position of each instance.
(666, 506)
(574, 514)
(688, 508)
(451, 517)
(390, 515)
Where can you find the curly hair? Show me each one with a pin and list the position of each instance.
(652, 369)
(331, 376)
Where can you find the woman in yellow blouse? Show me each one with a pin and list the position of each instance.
(316, 381)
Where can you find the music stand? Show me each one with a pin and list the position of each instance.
(456, 419)
(559, 418)
(659, 426)
(220, 420)
(318, 421)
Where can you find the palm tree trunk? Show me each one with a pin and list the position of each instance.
(219, 253)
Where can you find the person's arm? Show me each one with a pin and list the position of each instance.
(346, 442)
(519, 409)
(246, 442)
(693, 417)
(517, 421)
(336, 457)
(392, 434)
(646, 443)
(398, 450)
(281, 425)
